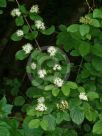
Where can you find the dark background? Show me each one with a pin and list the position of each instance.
(54, 12)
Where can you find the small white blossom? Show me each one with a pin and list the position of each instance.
(58, 82)
(34, 9)
(52, 50)
(83, 96)
(19, 33)
(27, 48)
(42, 73)
(33, 65)
(39, 25)
(15, 12)
(57, 67)
(41, 107)
(41, 100)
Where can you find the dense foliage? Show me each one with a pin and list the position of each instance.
(64, 95)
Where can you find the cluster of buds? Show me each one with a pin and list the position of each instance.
(63, 105)
(83, 96)
(57, 67)
(27, 48)
(58, 82)
(52, 50)
(34, 9)
(41, 107)
(85, 20)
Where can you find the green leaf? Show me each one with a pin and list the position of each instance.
(5, 109)
(55, 91)
(92, 95)
(81, 89)
(19, 21)
(84, 29)
(74, 53)
(62, 116)
(66, 90)
(97, 63)
(33, 92)
(1, 12)
(97, 128)
(84, 49)
(20, 55)
(66, 116)
(73, 28)
(91, 115)
(31, 36)
(49, 87)
(19, 101)
(44, 124)
(72, 85)
(31, 112)
(77, 115)
(14, 37)
(4, 131)
(35, 123)
(34, 17)
(95, 23)
(97, 50)
(23, 9)
(3, 3)
(65, 39)
(25, 29)
(51, 122)
(97, 13)
(49, 31)
(43, 59)
(63, 28)
(59, 117)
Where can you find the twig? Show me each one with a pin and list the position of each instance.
(90, 8)
(29, 26)
(79, 68)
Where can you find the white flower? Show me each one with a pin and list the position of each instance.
(41, 100)
(83, 96)
(39, 25)
(42, 73)
(58, 82)
(27, 48)
(19, 33)
(34, 9)
(15, 12)
(41, 107)
(33, 65)
(57, 67)
(52, 50)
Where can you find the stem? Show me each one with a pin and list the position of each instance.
(29, 26)
(90, 8)
(79, 68)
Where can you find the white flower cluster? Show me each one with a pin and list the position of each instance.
(33, 65)
(41, 105)
(19, 33)
(83, 96)
(42, 73)
(39, 25)
(52, 50)
(57, 67)
(58, 82)
(27, 48)
(34, 9)
(63, 105)
(15, 12)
